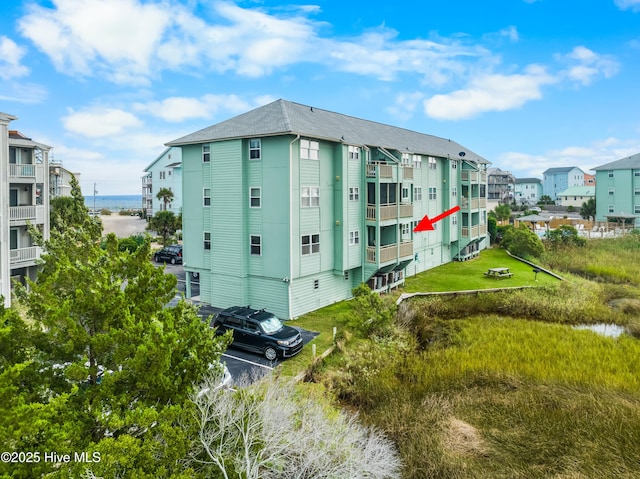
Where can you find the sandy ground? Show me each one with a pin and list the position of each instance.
(122, 226)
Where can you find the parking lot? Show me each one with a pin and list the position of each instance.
(240, 363)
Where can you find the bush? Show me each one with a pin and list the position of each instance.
(522, 242)
(105, 211)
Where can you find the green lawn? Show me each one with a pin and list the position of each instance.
(466, 275)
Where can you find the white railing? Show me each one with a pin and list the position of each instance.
(390, 252)
(22, 171)
(21, 255)
(19, 213)
(390, 212)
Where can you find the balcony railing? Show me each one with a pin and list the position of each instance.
(473, 203)
(407, 172)
(380, 170)
(22, 171)
(22, 213)
(22, 255)
(473, 231)
(390, 212)
(390, 252)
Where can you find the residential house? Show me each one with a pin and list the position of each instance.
(500, 187)
(618, 190)
(24, 200)
(163, 172)
(59, 179)
(556, 180)
(527, 191)
(288, 207)
(576, 196)
(589, 180)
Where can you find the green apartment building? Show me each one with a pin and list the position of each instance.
(288, 207)
(618, 190)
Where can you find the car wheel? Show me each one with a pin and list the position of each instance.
(270, 353)
(173, 261)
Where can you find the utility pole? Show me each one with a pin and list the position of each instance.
(94, 198)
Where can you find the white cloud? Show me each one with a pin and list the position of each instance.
(585, 65)
(405, 105)
(178, 109)
(22, 92)
(490, 92)
(633, 5)
(99, 122)
(10, 56)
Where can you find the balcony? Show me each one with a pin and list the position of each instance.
(379, 170)
(407, 172)
(390, 212)
(23, 255)
(473, 231)
(389, 252)
(473, 203)
(22, 213)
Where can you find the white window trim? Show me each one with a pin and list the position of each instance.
(258, 149)
(354, 193)
(204, 196)
(205, 240)
(308, 146)
(259, 197)
(310, 196)
(251, 245)
(354, 237)
(310, 244)
(205, 153)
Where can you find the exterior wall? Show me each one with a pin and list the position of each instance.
(556, 183)
(59, 181)
(5, 283)
(572, 200)
(164, 176)
(286, 278)
(528, 193)
(618, 192)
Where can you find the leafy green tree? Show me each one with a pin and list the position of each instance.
(588, 209)
(492, 228)
(373, 315)
(502, 212)
(165, 223)
(546, 200)
(71, 212)
(522, 242)
(166, 195)
(565, 235)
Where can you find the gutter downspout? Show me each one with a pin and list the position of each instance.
(290, 225)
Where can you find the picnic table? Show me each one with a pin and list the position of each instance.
(498, 273)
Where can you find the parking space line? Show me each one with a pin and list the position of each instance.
(247, 361)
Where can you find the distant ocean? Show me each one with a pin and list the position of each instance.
(114, 203)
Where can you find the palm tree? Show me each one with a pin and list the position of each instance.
(166, 195)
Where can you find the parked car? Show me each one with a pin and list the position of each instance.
(535, 209)
(169, 254)
(258, 331)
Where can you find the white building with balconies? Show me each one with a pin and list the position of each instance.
(24, 200)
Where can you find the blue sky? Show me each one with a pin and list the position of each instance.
(528, 84)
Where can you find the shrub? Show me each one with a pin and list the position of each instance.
(105, 211)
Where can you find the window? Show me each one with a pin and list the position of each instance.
(432, 163)
(206, 197)
(611, 191)
(636, 209)
(310, 244)
(207, 240)
(255, 147)
(406, 159)
(417, 193)
(354, 237)
(256, 245)
(454, 165)
(310, 196)
(354, 193)
(454, 220)
(254, 197)
(309, 150)
(206, 153)
(636, 191)
(432, 193)
(636, 172)
(610, 174)
(354, 153)
(611, 210)
(417, 161)
(405, 229)
(454, 191)
(405, 193)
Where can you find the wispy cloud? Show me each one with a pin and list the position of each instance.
(99, 122)
(10, 59)
(490, 92)
(178, 109)
(585, 65)
(633, 5)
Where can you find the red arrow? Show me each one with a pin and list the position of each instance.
(427, 225)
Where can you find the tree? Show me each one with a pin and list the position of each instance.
(522, 242)
(565, 235)
(588, 209)
(546, 200)
(502, 212)
(165, 223)
(269, 431)
(372, 315)
(492, 229)
(166, 195)
(107, 366)
(71, 212)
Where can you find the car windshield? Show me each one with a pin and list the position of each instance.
(271, 325)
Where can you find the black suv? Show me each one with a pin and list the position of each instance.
(169, 254)
(258, 331)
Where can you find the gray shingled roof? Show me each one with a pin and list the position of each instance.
(520, 181)
(562, 169)
(285, 117)
(629, 163)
